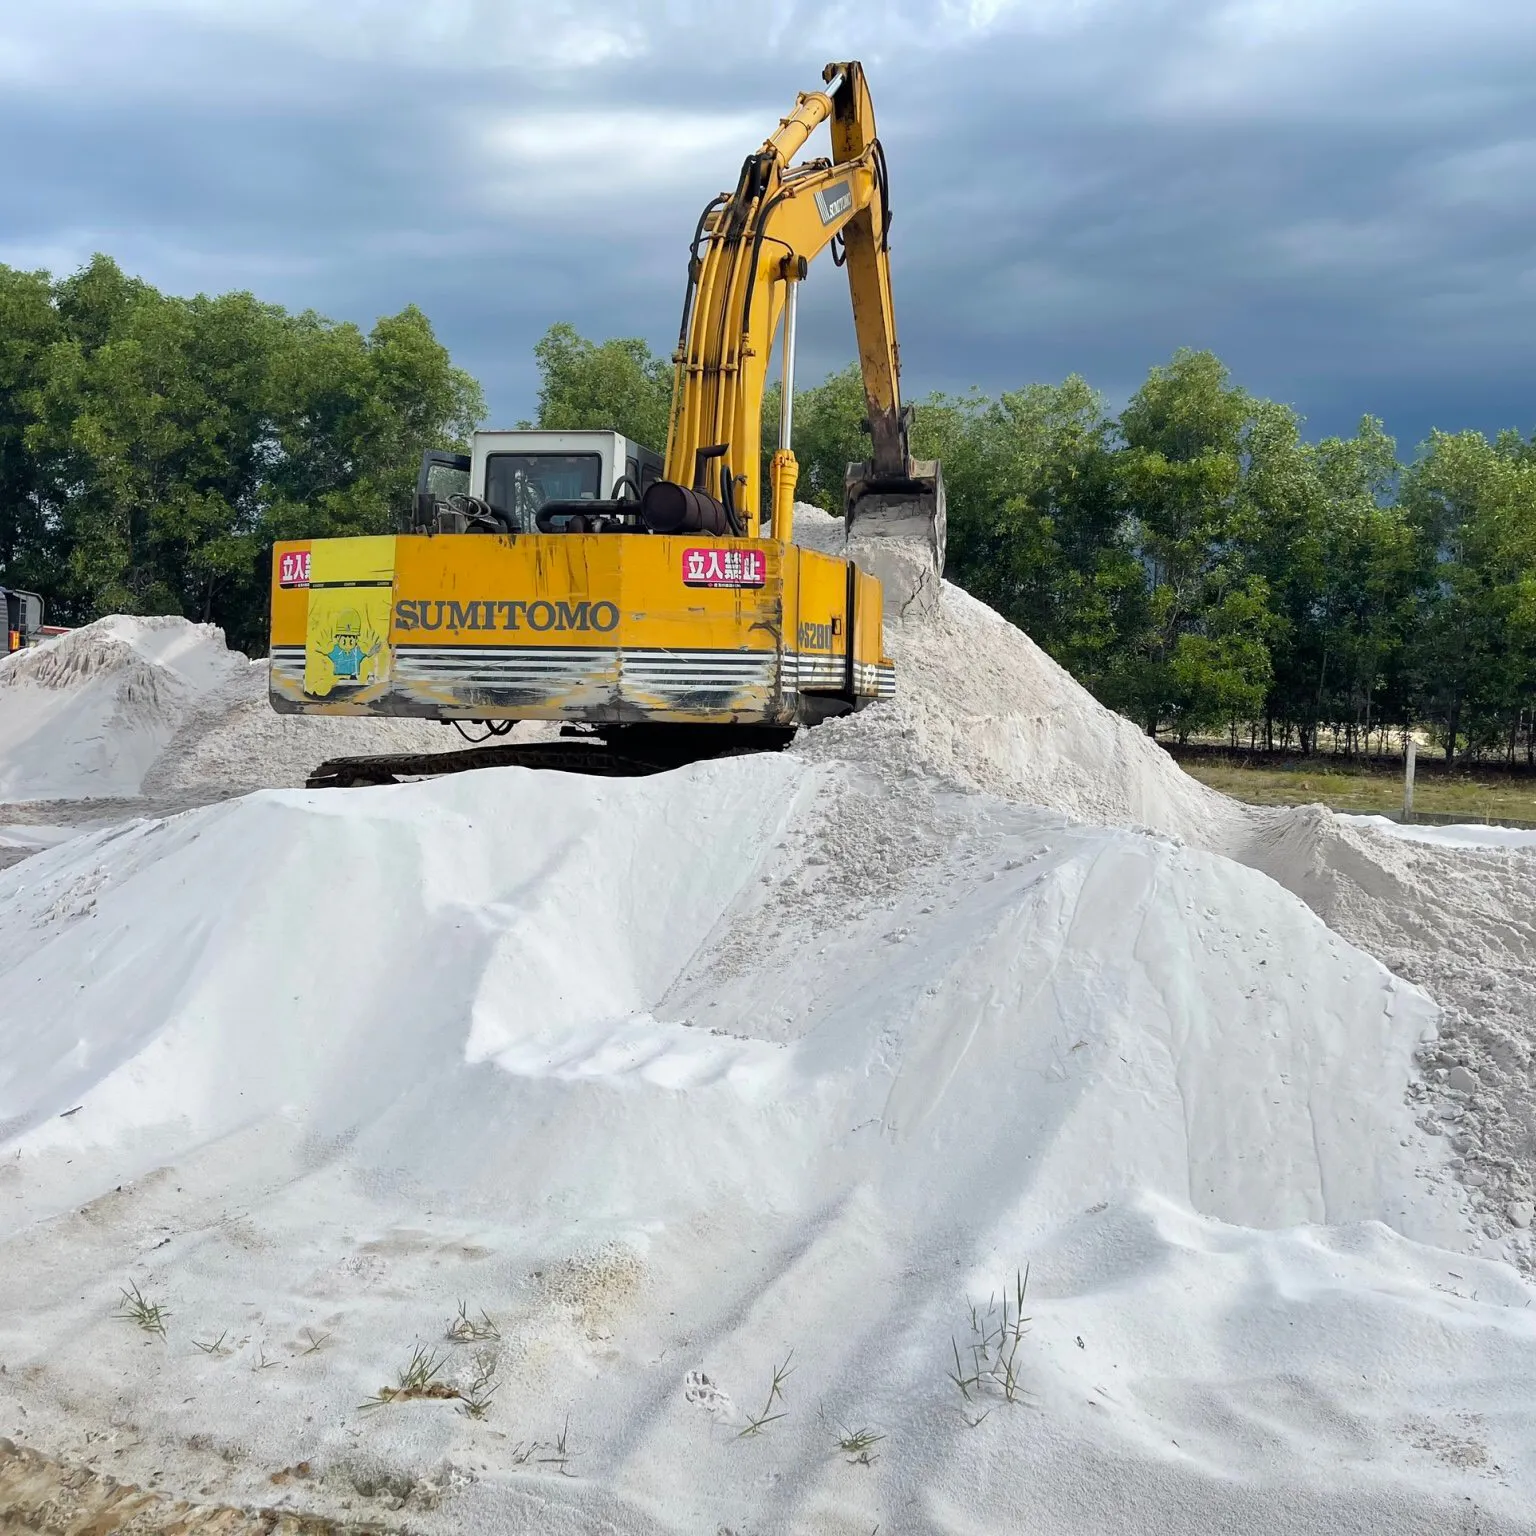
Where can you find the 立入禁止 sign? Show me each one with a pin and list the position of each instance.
(293, 569)
(713, 566)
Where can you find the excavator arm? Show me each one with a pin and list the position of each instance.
(866, 241)
(751, 249)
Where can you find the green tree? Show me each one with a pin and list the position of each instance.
(1473, 503)
(618, 385)
(1189, 435)
(165, 442)
(828, 435)
(1337, 557)
(1036, 518)
(29, 328)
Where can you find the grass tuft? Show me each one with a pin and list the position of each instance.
(560, 1453)
(465, 1329)
(856, 1445)
(758, 1422)
(475, 1399)
(990, 1359)
(419, 1379)
(137, 1308)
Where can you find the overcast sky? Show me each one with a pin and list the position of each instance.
(1337, 196)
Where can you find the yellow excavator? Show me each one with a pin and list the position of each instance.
(659, 610)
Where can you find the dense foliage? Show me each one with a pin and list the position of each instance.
(152, 448)
(1192, 559)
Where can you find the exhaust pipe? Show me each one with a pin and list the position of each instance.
(670, 508)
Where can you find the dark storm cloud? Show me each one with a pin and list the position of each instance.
(1333, 199)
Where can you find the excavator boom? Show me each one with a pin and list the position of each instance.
(752, 248)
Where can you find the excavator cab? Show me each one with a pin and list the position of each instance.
(530, 481)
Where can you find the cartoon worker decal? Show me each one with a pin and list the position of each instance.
(347, 657)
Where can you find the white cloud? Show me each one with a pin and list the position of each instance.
(20, 59)
(1077, 183)
(477, 33)
(133, 48)
(1040, 16)
(1494, 177)
(617, 154)
(178, 265)
(1354, 246)
(1331, 60)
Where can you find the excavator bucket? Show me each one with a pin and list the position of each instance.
(895, 530)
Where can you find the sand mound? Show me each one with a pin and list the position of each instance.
(1460, 923)
(978, 702)
(130, 708)
(655, 1073)
(86, 714)
(802, 1058)
(236, 740)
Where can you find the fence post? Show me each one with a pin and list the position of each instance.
(1408, 762)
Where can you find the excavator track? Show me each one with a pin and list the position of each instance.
(637, 752)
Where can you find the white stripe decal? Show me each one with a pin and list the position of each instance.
(652, 669)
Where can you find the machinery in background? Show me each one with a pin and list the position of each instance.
(658, 609)
(23, 615)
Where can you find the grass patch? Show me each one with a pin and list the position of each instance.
(312, 1341)
(420, 1380)
(1367, 790)
(857, 1445)
(560, 1453)
(465, 1329)
(475, 1399)
(417, 1379)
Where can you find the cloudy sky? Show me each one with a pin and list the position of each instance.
(1334, 195)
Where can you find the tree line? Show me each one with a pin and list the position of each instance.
(1192, 558)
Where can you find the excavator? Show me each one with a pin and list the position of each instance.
(656, 607)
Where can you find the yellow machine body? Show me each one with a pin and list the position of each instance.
(573, 627)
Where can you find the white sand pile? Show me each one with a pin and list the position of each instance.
(783, 1059)
(978, 702)
(658, 1076)
(1465, 836)
(87, 713)
(1461, 922)
(152, 707)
